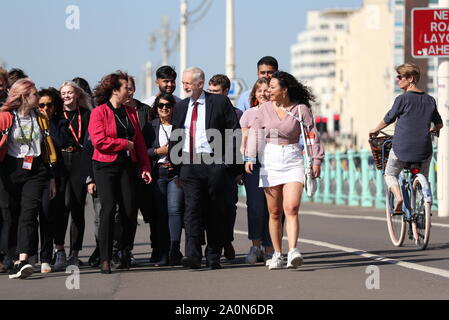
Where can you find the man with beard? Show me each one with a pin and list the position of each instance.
(166, 82)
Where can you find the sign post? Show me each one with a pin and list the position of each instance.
(430, 38)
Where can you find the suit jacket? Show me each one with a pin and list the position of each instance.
(220, 115)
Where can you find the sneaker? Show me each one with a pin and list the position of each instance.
(267, 258)
(21, 271)
(73, 261)
(294, 259)
(276, 261)
(45, 267)
(60, 261)
(254, 253)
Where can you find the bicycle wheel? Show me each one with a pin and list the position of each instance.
(396, 224)
(421, 217)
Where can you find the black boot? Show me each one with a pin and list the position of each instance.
(94, 259)
(125, 259)
(175, 255)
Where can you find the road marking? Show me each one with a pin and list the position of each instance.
(346, 216)
(365, 254)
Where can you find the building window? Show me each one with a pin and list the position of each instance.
(339, 26)
(324, 26)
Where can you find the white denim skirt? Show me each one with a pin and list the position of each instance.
(281, 164)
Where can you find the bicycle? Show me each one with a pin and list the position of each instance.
(416, 207)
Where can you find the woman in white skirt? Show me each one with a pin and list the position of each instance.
(274, 137)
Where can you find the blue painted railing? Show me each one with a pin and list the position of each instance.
(352, 179)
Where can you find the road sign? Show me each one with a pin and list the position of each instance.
(237, 87)
(430, 32)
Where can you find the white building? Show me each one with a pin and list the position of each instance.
(313, 56)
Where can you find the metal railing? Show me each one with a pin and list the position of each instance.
(352, 179)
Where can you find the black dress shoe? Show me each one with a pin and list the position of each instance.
(191, 263)
(229, 251)
(105, 267)
(214, 265)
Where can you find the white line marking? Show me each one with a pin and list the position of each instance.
(365, 254)
(346, 216)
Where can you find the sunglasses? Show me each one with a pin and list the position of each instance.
(42, 105)
(162, 105)
(399, 77)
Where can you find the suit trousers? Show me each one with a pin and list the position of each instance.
(204, 190)
(116, 184)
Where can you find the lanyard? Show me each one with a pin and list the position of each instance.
(77, 137)
(22, 133)
(122, 124)
(166, 134)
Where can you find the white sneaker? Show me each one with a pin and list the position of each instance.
(294, 259)
(45, 268)
(251, 258)
(276, 261)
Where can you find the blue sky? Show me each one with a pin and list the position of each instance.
(114, 35)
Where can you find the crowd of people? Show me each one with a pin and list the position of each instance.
(178, 162)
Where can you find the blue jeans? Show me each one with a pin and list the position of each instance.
(257, 208)
(170, 208)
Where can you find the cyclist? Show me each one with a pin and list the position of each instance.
(414, 111)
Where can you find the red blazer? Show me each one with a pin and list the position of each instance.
(103, 132)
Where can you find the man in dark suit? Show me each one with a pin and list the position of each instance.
(202, 148)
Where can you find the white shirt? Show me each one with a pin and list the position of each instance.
(201, 143)
(18, 147)
(164, 131)
(150, 100)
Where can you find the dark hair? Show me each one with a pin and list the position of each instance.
(269, 61)
(83, 84)
(53, 93)
(165, 96)
(166, 72)
(14, 75)
(297, 92)
(252, 96)
(109, 83)
(220, 80)
(131, 79)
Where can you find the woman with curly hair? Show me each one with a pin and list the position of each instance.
(282, 164)
(119, 149)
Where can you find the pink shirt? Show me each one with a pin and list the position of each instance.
(285, 131)
(248, 118)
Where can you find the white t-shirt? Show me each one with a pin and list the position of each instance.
(22, 142)
(164, 137)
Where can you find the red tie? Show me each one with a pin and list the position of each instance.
(193, 129)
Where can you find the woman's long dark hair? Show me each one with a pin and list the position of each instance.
(297, 92)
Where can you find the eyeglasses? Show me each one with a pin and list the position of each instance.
(42, 105)
(162, 105)
(399, 77)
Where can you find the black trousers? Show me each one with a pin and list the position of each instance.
(71, 200)
(24, 188)
(204, 189)
(116, 184)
